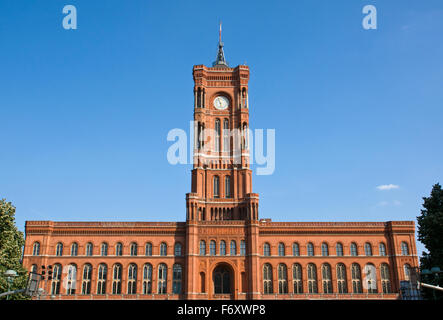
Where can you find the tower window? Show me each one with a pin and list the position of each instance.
(233, 250)
(202, 248)
(212, 248)
(242, 247)
(227, 186)
(217, 135)
(216, 187)
(226, 145)
(222, 248)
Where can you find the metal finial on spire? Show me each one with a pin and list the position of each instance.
(220, 59)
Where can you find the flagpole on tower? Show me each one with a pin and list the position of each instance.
(219, 34)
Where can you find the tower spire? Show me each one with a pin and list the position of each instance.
(220, 59)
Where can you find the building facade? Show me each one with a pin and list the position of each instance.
(223, 250)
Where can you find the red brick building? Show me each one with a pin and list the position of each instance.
(223, 250)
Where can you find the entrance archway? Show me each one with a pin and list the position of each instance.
(223, 280)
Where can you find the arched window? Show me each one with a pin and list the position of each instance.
(34, 268)
(339, 249)
(227, 186)
(117, 279)
(148, 249)
(295, 249)
(216, 187)
(212, 248)
(404, 249)
(217, 135)
(233, 249)
(202, 248)
(407, 272)
(222, 280)
(56, 279)
(89, 248)
(36, 249)
(222, 248)
(71, 279)
(134, 249)
(118, 249)
(74, 249)
(297, 278)
(178, 249)
(242, 247)
(147, 278)
(310, 248)
(177, 279)
(281, 249)
(326, 278)
(282, 279)
(382, 249)
(385, 278)
(342, 285)
(59, 249)
(266, 250)
(354, 251)
(371, 278)
(132, 279)
(162, 278)
(101, 279)
(86, 282)
(267, 279)
(324, 249)
(226, 146)
(312, 278)
(356, 278)
(163, 249)
(368, 249)
(104, 249)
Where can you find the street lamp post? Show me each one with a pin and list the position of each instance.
(435, 272)
(10, 275)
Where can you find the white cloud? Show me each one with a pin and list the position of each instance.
(388, 187)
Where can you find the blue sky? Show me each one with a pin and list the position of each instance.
(85, 113)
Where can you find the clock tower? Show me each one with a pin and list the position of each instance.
(221, 188)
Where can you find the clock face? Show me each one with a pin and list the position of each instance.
(221, 102)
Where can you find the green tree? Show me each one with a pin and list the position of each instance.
(430, 233)
(11, 243)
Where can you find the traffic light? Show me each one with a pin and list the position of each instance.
(43, 272)
(49, 272)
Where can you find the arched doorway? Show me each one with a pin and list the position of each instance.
(222, 278)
